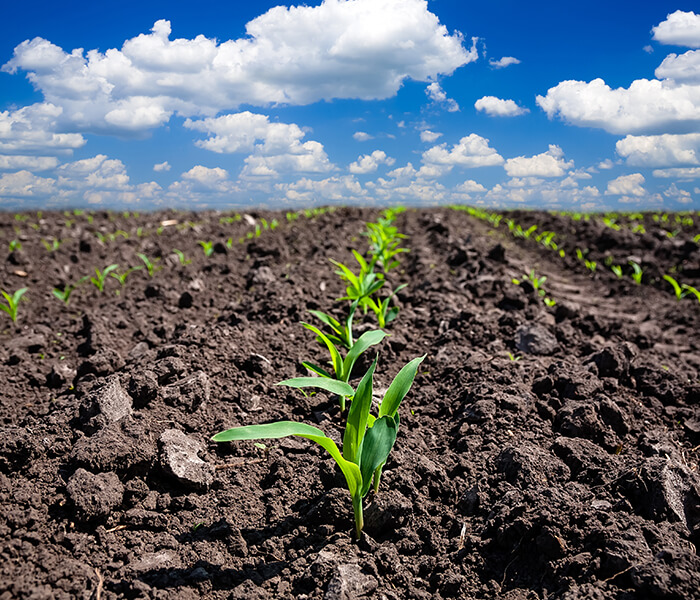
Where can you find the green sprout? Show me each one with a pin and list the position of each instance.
(121, 277)
(367, 441)
(637, 273)
(342, 332)
(688, 289)
(181, 257)
(151, 267)
(362, 285)
(381, 309)
(384, 241)
(207, 247)
(617, 269)
(101, 276)
(12, 302)
(15, 245)
(51, 246)
(64, 294)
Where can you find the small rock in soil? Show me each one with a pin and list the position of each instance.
(169, 369)
(389, 510)
(102, 363)
(179, 459)
(107, 404)
(59, 375)
(529, 465)
(535, 339)
(124, 447)
(143, 388)
(349, 583)
(94, 496)
(190, 393)
(614, 361)
(587, 461)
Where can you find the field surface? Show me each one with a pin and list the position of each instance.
(546, 449)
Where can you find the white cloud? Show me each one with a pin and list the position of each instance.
(645, 106)
(471, 151)
(297, 55)
(665, 150)
(678, 173)
(19, 161)
(98, 172)
(679, 29)
(496, 107)
(363, 136)
(678, 194)
(369, 163)
(503, 62)
(557, 193)
(164, 166)
(470, 187)
(33, 128)
(547, 164)
(275, 147)
(308, 192)
(684, 68)
(24, 184)
(429, 136)
(626, 185)
(438, 95)
(606, 164)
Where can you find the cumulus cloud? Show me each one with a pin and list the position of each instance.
(35, 163)
(429, 136)
(665, 150)
(362, 136)
(332, 189)
(668, 104)
(24, 184)
(679, 29)
(297, 55)
(205, 176)
(33, 128)
(274, 147)
(678, 173)
(470, 187)
(555, 193)
(164, 166)
(368, 163)
(626, 185)
(471, 151)
(496, 107)
(503, 62)
(438, 95)
(547, 164)
(678, 194)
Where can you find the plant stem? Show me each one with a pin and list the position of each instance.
(377, 478)
(359, 519)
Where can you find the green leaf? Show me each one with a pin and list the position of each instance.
(366, 340)
(357, 416)
(326, 319)
(335, 355)
(282, 429)
(330, 385)
(376, 447)
(316, 369)
(399, 388)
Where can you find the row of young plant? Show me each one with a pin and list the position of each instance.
(368, 438)
(547, 239)
(99, 280)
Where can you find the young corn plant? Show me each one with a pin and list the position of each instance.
(121, 277)
(51, 246)
(181, 257)
(362, 285)
(12, 302)
(367, 441)
(151, 267)
(64, 294)
(384, 247)
(342, 367)
(689, 289)
(101, 276)
(207, 247)
(342, 336)
(381, 308)
(15, 245)
(637, 272)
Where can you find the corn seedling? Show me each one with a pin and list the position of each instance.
(688, 289)
(381, 309)
(121, 277)
(181, 257)
(101, 276)
(342, 367)
(367, 441)
(12, 302)
(617, 269)
(591, 265)
(15, 245)
(362, 285)
(151, 267)
(51, 246)
(637, 272)
(342, 332)
(64, 294)
(384, 243)
(207, 247)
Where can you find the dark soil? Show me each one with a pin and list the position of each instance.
(544, 452)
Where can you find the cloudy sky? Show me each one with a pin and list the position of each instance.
(586, 105)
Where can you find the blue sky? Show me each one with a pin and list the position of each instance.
(589, 106)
